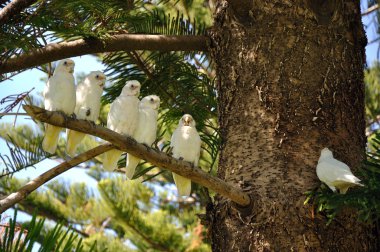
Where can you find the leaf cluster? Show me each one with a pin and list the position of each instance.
(20, 238)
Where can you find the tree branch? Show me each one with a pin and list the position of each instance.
(13, 8)
(12, 114)
(32, 185)
(123, 42)
(153, 156)
(370, 9)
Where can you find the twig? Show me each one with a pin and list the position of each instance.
(123, 42)
(12, 114)
(32, 185)
(370, 9)
(13, 8)
(151, 155)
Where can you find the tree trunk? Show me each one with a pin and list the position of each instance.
(290, 82)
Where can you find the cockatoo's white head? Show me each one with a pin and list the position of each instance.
(131, 88)
(150, 101)
(326, 153)
(187, 120)
(97, 78)
(66, 65)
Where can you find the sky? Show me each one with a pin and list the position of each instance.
(32, 79)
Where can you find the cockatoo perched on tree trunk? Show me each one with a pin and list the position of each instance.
(146, 129)
(88, 106)
(123, 119)
(334, 173)
(186, 145)
(59, 94)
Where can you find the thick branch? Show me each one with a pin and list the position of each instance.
(13, 8)
(124, 42)
(32, 185)
(153, 156)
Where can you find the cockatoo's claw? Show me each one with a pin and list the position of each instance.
(180, 158)
(169, 151)
(73, 115)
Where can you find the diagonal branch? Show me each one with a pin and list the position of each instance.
(153, 156)
(123, 42)
(32, 185)
(370, 9)
(14, 8)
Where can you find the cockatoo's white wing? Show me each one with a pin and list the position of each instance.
(123, 115)
(59, 95)
(87, 107)
(336, 174)
(122, 118)
(186, 144)
(146, 131)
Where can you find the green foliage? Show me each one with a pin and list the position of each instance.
(105, 243)
(22, 158)
(23, 238)
(372, 92)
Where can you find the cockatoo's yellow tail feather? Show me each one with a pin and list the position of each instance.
(50, 141)
(73, 140)
(183, 185)
(110, 159)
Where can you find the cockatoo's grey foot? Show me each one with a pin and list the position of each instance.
(154, 145)
(73, 115)
(169, 151)
(180, 158)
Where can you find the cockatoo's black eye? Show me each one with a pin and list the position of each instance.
(132, 86)
(151, 99)
(65, 62)
(97, 76)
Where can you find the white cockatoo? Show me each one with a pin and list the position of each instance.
(186, 145)
(123, 119)
(88, 106)
(334, 173)
(146, 129)
(59, 95)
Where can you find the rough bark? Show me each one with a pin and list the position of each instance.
(290, 82)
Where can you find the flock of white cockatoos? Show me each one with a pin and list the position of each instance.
(138, 119)
(127, 116)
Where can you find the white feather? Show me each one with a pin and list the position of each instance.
(186, 144)
(59, 95)
(87, 107)
(146, 129)
(123, 119)
(334, 173)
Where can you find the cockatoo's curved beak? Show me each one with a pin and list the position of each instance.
(187, 121)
